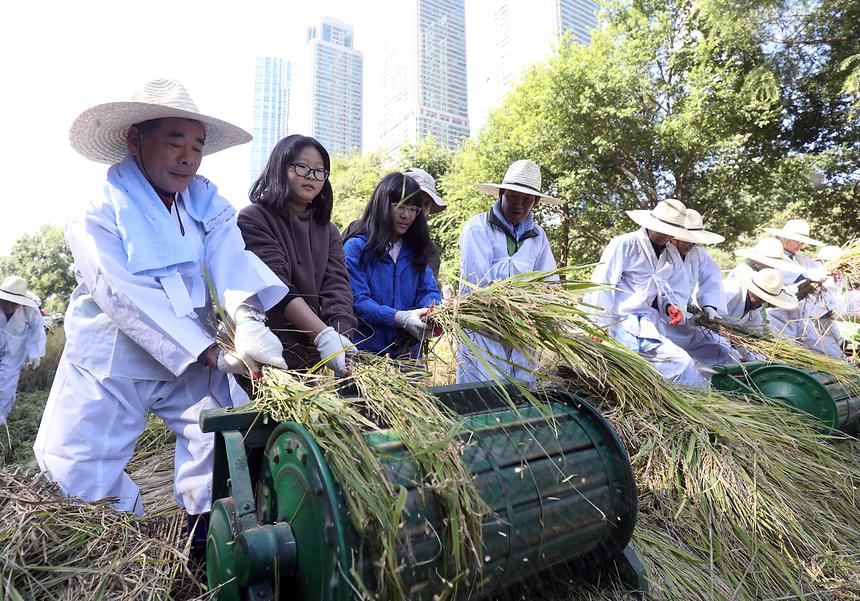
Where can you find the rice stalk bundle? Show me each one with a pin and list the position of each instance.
(52, 547)
(389, 399)
(745, 498)
(849, 263)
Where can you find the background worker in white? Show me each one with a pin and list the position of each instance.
(746, 296)
(796, 324)
(642, 268)
(498, 244)
(827, 305)
(139, 325)
(702, 286)
(22, 338)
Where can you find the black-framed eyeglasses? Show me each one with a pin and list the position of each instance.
(406, 209)
(303, 170)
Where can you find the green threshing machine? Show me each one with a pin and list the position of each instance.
(819, 394)
(558, 483)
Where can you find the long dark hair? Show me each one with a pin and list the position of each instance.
(272, 188)
(394, 188)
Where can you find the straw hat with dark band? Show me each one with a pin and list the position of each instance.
(696, 226)
(99, 133)
(14, 289)
(768, 285)
(522, 176)
(668, 217)
(769, 252)
(794, 229)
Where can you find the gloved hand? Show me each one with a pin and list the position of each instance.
(676, 316)
(254, 342)
(334, 347)
(711, 313)
(229, 363)
(33, 363)
(414, 323)
(816, 274)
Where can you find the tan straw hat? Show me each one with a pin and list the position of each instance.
(696, 226)
(769, 252)
(769, 286)
(794, 229)
(14, 289)
(522, 176)
(99, 132)
(668, 217)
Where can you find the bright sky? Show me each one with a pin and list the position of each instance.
(60, 58)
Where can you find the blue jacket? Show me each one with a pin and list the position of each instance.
(381, 288)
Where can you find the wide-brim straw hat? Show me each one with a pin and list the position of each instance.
(696, 226)
(830, 253)
(769, 286)
(795, 229)
(427, 184)
(668, 217)
(769, 252)
(99, 133)
(522, 176)
(14, 289)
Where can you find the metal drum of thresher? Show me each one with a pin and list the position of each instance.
(819, 394)
(557, 480)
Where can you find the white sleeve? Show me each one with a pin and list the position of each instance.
(710, 285)
(36, 337)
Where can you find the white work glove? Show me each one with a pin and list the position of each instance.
(33, 363)
(414, 324)
(816, 274)
(254, 342)
(333, 347)
(231, 364)
(711, 313)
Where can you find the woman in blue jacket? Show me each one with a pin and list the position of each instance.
(392, 284)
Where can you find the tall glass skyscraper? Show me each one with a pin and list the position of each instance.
(271, 109)
(328, 99)
(424, 74)
(524, 33)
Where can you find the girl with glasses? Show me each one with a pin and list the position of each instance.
(288, 225)
(392, 284)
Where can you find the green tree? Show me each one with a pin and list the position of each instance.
(353, 179)
(427, 155)
(45, 261)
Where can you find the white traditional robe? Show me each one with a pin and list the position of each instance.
(640, 281)
(702, 284)
(133, 343)
(485, 258)
(23, 339)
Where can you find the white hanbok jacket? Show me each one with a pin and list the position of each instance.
(22, 337)
(485, 258)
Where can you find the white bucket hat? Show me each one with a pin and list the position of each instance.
(522, 176)
(668, 217)
(795, 229)
(14, 289)
(99, 133)
(769, 286)
(769, 252)
(830, 253)
(696, 226)
(427, 184)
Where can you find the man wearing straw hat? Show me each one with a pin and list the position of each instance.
(796, 324)
(642, 270)
(503, 242)
(148, 251)
(702, 286)
(746, 296)
(22, 338)
(828, 305)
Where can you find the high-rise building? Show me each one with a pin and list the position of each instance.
(271, 109)
(424, 74)
(522, 33)
(328, 99)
